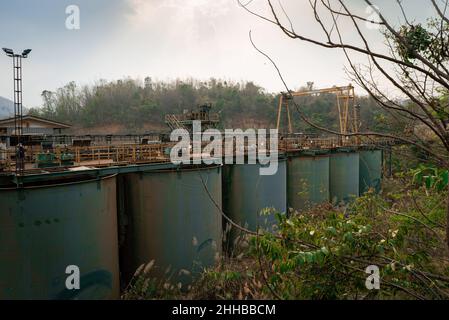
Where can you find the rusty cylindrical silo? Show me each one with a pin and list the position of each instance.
(370, 170)
(307, 179)
(251, 199)
(174, 219)
(46, 227)
(344, 175)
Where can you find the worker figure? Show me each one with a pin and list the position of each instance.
(20, 157)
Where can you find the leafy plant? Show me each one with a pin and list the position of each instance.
(431, 177)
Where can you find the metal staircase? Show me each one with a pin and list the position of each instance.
(172, 121)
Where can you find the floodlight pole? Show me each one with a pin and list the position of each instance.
(18, 107)
(18, 114)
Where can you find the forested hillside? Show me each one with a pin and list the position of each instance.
(129, 105)
(6, 108)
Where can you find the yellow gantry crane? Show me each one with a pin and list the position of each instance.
(347, 109)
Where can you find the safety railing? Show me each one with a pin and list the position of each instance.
(122, 154)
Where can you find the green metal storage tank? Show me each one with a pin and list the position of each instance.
(174, 220)
(307, 180)
(46, 228)
(344, 176)
(246, 193)
(370, 170)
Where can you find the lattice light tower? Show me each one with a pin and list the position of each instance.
(18, 107)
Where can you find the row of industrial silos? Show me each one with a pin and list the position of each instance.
(109, 226)
(316, 177)
(303, 180)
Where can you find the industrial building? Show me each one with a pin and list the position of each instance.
(33, 129)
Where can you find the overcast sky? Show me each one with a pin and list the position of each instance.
(168, 39)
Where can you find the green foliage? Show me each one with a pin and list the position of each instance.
(428, 41)
(416, 39)
(323, 254)
(431, 177)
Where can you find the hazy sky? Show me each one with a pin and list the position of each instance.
(167, 39)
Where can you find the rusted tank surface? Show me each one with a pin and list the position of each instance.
(44, 229)
(370, 170)
(344, 176)
(307, 180)
(251, 199)
(173, 219)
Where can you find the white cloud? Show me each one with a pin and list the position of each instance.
(179, 12)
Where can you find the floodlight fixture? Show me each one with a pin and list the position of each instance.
(26, 52)
(9, 52)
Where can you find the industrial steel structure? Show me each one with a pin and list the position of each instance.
(185, 120)
(345, 100)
